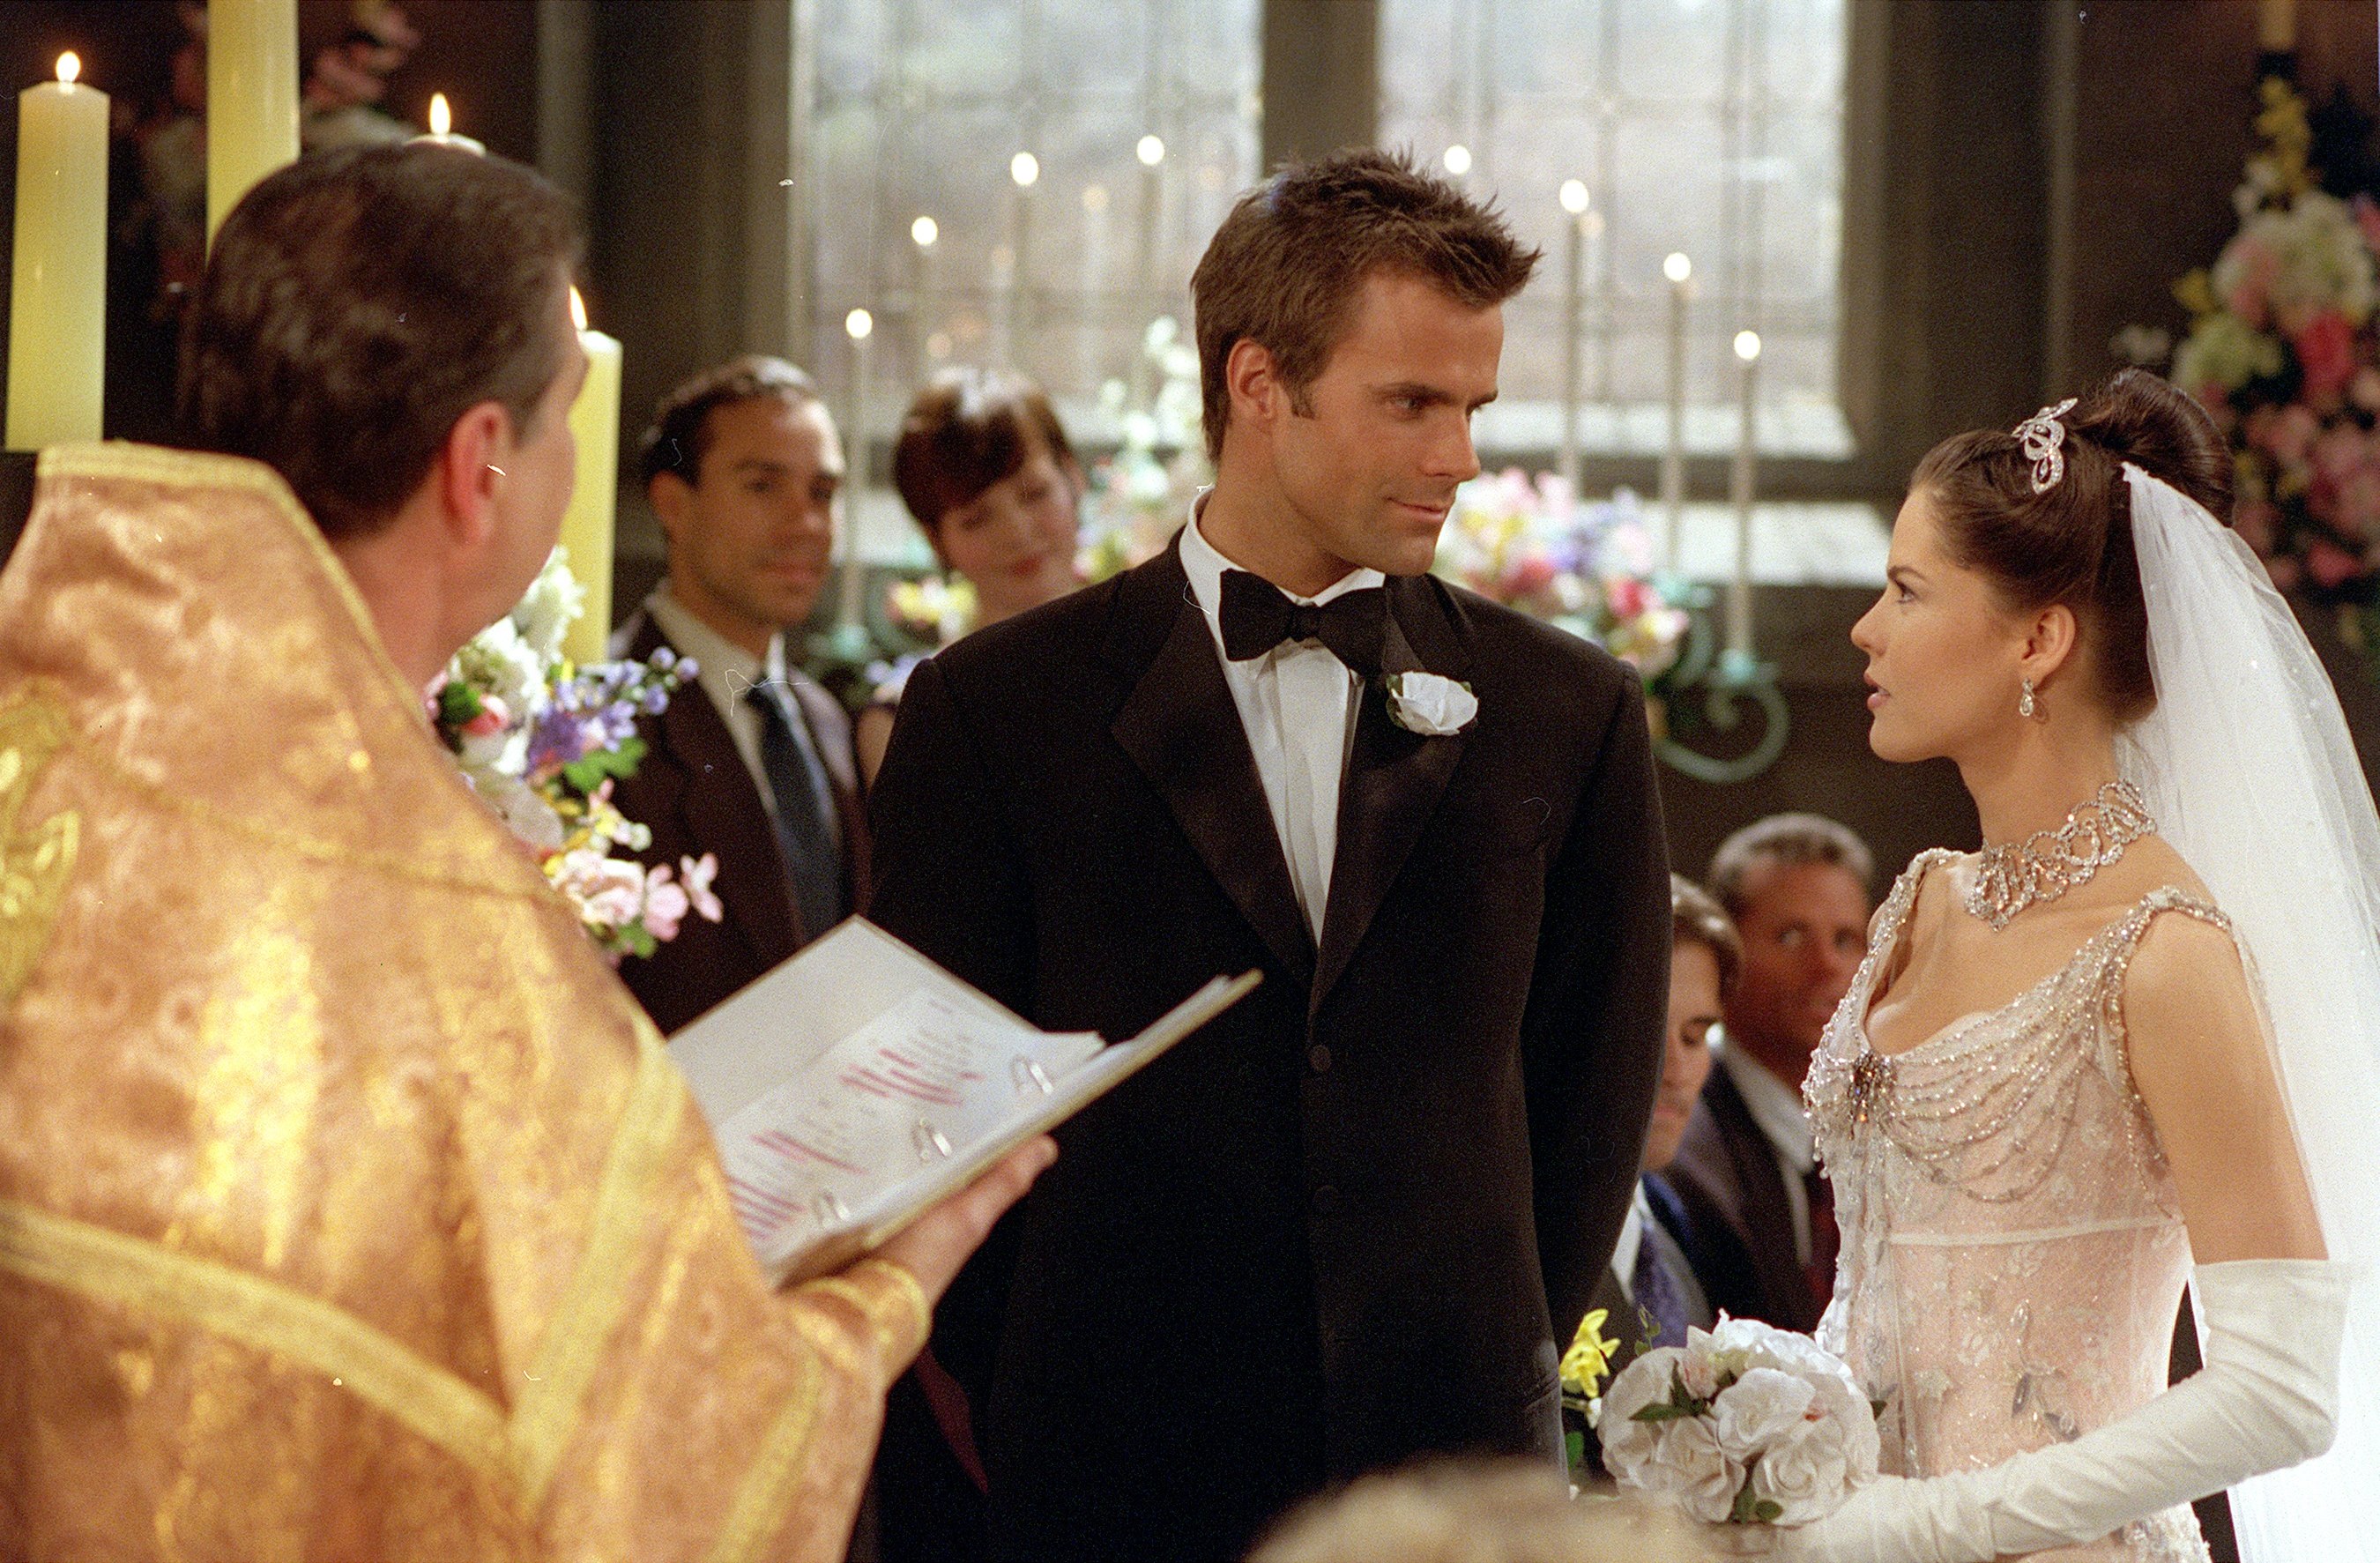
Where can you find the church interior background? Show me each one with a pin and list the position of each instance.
(1935, 214)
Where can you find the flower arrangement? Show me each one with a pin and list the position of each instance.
(2284, 351)
(1141, 494)
(1743, 1424)
(1583, 1368)
(1588, 569)
(542, 741)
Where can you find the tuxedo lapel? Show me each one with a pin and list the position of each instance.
(1182, 728)
(1395, 777)
(720, 807)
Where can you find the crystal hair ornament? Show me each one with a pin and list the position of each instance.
(2041, 435)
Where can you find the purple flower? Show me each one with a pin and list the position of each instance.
(559, 738)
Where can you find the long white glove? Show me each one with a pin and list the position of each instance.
(2267, 1398)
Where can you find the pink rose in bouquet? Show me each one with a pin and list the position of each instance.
(2326, 347)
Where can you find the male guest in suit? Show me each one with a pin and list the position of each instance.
(745, 475)
(1344, 1225)
(1763, 1215)
(1650, 1292)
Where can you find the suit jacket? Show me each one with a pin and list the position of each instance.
(693, 793)
(1742, 1240)
(1342, 1226)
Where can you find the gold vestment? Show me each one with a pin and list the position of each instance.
(349, 1208)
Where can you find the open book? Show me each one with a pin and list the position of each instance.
(859, 1085)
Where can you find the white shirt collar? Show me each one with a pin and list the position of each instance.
(1205, 564)
(723, 669)
(1632, 1238)
(1776, 1108)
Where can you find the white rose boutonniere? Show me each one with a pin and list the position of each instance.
(1430, 704)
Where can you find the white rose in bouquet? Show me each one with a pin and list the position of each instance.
(1758, 1410)
(1689, 1467)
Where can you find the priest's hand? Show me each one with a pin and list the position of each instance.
(933, 1246)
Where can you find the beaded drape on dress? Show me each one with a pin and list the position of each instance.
(2013, 1246)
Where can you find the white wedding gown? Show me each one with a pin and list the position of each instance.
(2013, 1251)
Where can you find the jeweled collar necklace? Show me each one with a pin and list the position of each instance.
(2047, 863)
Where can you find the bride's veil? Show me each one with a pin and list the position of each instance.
(2248, 768)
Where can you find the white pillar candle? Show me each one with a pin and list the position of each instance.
(1573, 203)
(58, 306)
(595, 489)
(1680, 273)
(859, 326)
(251, 97)
(1740, 485)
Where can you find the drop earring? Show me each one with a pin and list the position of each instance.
(2024, 703)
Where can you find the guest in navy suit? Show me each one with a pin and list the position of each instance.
(745, 473)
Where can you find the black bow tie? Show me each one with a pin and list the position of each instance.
(1258, 616)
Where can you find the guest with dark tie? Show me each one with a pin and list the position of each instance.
(745, 472)
(1651, 1295)
(1762, 1214)
(987, 470)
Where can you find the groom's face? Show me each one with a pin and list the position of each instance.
(1369, 466)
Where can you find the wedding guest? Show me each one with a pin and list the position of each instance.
(1478, 1512)
(1340, 1227)
(990, 478)
(348, 1208)
(1796, 887)
(745, 476)
(1650, 1293)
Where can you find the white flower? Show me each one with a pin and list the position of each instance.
(498, 662)
(1759, 1410)
(1689, 1467)
(1806, 1476)
(523, 810)
(1430, 704)
(1628, 1443)
(554, 602)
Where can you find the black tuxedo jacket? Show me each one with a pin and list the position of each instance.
(1343, 1224)
(1727, 1176)
(693, 792)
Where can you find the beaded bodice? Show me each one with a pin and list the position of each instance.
(2014, 1250)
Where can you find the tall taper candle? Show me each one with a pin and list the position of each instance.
(251, 97)
(1024, 171)
(859, 325)
(1151, 153)
(1680, 273)
(586, 525)
(1574, 203)
(58, 309)
(1739, 587)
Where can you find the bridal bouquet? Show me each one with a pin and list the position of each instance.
(542, 740)
(1743, 1425)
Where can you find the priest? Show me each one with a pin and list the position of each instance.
(348, 1206)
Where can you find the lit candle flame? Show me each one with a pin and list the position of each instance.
(70, 67)
(1677, 268)
(859, 323)
(1024, 168)
(1574, 195)
(1747, 346)
(924, 232)
(442, 118)
(1151, 152)
(577, 309)
(1458, 160)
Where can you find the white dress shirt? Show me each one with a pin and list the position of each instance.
(1632, 1238)
(725, 670)
(1776, 1112)
(1297, 705)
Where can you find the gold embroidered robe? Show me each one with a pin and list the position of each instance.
(349, 1208)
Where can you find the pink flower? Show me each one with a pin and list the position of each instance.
(2260, 267)
(665, 905)
(1628, 596)
(1527, 577)
(697, 873)
(2288, 432)
(492, 718)
(2340, 452)
(2355, 509)
(2327, 354)
(2331, 565)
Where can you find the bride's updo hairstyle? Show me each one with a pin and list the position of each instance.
(2072, 543)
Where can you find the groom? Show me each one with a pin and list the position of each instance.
(1348, 1223)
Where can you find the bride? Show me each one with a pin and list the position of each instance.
(2133, 1043)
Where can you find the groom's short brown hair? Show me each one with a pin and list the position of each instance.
(1284, 268)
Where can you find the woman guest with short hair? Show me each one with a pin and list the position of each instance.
(987, 469)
